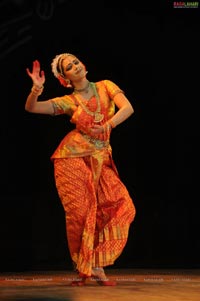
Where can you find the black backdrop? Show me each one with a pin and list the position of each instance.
(151, 51)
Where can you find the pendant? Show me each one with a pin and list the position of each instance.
(98, 117)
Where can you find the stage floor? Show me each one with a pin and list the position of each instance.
(132, 285)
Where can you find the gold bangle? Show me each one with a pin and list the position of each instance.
(107, 127)
(111, 123)
(38, 87)
(36, 90)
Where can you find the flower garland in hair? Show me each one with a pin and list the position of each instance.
(54, 65)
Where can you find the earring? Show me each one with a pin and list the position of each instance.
(64, 82)
(67, 81)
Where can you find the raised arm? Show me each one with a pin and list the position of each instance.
(32, 104)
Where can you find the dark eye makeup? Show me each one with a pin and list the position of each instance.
(69, 66)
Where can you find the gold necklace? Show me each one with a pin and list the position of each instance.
(98, 117)
(86, 89)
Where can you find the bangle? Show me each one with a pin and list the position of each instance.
(107, 127)
(37, 90)
(38, 87)
(111, 123)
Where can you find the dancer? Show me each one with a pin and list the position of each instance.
(97, 205)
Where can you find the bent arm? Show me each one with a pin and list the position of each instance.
(125, 109)
(32, 104)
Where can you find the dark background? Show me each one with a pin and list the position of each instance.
(151, 50)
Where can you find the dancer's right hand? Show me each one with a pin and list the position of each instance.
(37, 75)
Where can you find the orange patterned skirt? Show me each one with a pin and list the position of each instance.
(98, 209)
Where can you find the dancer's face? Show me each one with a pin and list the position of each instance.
(72, 68)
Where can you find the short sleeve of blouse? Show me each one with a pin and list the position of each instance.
(63, 105)
(112, 88)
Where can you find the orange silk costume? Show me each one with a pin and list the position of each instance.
(98, 207)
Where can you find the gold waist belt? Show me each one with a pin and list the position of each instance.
(97, 143)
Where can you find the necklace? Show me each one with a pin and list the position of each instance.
(85, 89)
(98, 117)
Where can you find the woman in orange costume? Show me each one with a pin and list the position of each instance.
(98, 207)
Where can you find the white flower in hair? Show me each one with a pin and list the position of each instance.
(55, 62)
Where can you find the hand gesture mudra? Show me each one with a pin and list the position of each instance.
(37, 75)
